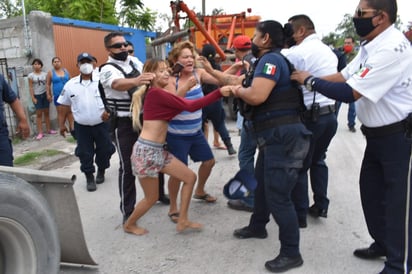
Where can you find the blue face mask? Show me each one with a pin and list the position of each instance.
(363, 26)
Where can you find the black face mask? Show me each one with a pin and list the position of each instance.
(255, 50)
(122, 56)
(363, 26)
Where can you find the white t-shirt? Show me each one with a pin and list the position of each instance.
(39, 82)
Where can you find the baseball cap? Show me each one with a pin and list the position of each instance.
(208, 51)
(84, 55)
(242, 42)
(240, 186)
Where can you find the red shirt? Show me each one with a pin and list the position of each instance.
(162, 105)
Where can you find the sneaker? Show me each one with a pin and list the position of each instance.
(52, 131)
(352, 129)
(39, 136)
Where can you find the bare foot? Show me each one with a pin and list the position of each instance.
(134, 229)
(188, 226)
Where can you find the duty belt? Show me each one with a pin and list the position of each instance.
(276, 121)
(322, 111)
(373, 132)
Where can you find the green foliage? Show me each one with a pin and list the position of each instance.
(10, 8)
(102, 11)
(143, 19)
(29, 157)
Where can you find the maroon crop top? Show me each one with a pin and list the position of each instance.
(162, 105)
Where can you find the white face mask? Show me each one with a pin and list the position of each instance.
(86, 68)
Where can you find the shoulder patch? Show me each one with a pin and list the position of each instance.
(269, 69)
(362, 72)
(106, 75)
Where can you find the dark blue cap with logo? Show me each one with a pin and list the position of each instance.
(84, 55)
(240, 186)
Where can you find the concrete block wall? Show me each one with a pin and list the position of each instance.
(20, 43)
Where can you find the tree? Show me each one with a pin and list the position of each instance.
(102, 11)
(144, 19)
(10, 8)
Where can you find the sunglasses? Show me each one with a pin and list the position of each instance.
(361, 12)
(119, 45)
(130, 51)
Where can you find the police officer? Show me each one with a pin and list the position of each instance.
(7, 95)
(310, 53)
(379, 80)
(81, 97)
(273, 108)
(116, 86)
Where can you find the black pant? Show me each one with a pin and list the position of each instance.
(124, 138)
(93, 145)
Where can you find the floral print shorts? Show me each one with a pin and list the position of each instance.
(148, 158)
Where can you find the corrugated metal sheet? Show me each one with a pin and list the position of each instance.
(70, 41)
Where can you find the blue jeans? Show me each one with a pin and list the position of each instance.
(215, 113)
(282, 151)
(246, 156)
(351, 113)
(323, 131)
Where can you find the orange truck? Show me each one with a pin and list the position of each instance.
(218, 30)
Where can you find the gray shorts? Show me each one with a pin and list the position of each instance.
(148, 158)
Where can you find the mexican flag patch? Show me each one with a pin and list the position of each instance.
(269, 69)
(363, 71)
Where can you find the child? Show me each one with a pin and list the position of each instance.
(149, 156)
(40, 97)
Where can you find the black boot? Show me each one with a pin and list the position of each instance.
(90, 183)
(230, 148)
(163, 198)
(100, 176)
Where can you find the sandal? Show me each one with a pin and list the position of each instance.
(174, 217)
(207, 198)
(219, 146)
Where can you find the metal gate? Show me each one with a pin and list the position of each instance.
(10, 76)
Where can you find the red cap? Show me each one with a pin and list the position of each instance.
(242, 42)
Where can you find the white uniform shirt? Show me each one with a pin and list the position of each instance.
(382, 73)
(109, 73)
(85, 101)
(314, 56)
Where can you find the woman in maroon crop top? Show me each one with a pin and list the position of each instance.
(149, 156)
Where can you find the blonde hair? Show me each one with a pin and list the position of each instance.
(177, 49)
(151, 65)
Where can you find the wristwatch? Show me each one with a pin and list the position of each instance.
(309, 82)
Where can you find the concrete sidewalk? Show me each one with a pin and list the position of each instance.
(326, 244)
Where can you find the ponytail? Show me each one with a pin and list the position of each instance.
(136, 106)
